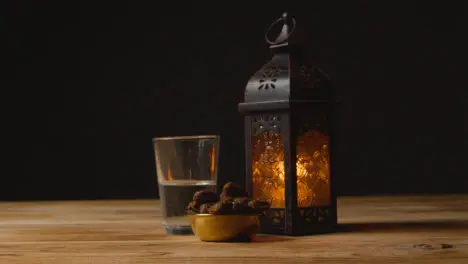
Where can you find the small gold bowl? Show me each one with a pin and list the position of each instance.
(224, 228)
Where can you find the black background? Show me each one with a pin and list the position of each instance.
(91, 82)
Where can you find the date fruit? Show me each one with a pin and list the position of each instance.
(240, 205)
(205, 208)
(205, 196)
(233, 200)
(222, 207)
(233, 190)
(259, 205)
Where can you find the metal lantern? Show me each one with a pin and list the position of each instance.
(288, 107)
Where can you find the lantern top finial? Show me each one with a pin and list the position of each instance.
(286, 31)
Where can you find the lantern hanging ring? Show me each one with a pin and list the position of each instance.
(285, 21)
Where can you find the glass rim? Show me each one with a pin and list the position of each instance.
(185, 137)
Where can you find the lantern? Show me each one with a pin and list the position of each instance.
(288, 107)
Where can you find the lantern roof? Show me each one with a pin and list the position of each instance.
(287, 78)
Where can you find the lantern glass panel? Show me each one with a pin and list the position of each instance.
(313, 169)
(268, 160)
(312, 165)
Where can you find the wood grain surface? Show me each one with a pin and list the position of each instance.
(411, 229)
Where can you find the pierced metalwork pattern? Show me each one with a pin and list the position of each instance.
(261, 124)
(275, 217)
(271, 82)
(269, 77)
(318, 122)
(312, 78)
(315, 214)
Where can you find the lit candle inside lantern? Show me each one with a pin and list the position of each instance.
(312, 176)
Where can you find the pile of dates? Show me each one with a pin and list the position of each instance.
(232, 200)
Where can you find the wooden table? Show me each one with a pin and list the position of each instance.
(378, 230)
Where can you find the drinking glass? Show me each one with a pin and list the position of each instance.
(184, 166)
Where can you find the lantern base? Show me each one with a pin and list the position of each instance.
(306, 221)
(319, 230)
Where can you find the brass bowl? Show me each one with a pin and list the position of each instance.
(224, 228)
